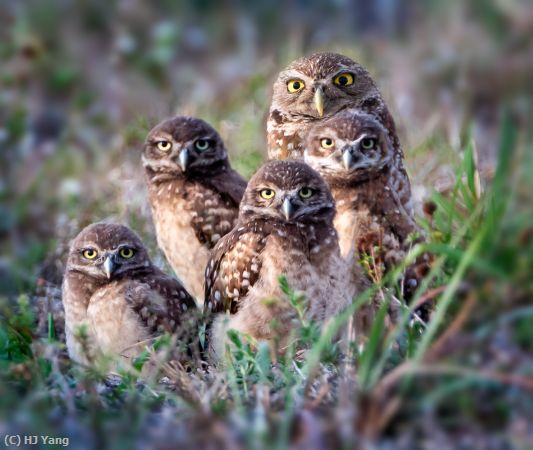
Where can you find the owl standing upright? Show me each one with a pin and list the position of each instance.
(285, 227)
(315, 88)
(113, 290)
(354, 154)
(194, 194)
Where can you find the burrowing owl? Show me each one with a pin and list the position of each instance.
(112, 288)
(285, 227)
(314, 88)
(354, 154)
(194, 194)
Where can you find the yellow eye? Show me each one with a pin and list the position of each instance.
(89, 253)
(267, 194)
(343, 79)
(126, 252)
(327, 143)
(305, 192)
(368, 143)
(295, 86)
(164, 146)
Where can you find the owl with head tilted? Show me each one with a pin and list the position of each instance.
(354, 154)
(314, 88)
(285, 227)
(112, 289)
(194, 194)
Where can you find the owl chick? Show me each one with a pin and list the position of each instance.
(285, 227)
(112, 288)
(354, 154)
(194, 194)
(315, 88)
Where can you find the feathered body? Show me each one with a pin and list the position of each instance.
(113, 290)
(284, 228)
(354, 154)
(194, 194)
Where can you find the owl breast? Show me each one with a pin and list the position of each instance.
(113, 325)
(318, 272)
(178, 240)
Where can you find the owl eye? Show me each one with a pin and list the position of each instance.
(126, 252)
(89, 253)
(326, 142)
(164, 146)
(267, 193)
(306, 192)
(368, 143)
(343, 79)
(295, 86)
(201, 145)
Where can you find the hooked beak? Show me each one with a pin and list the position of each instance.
(184, 159)
(109, 267)
(288, 209)
(319, 101)
(347, 159)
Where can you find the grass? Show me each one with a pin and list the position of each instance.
(466, 373)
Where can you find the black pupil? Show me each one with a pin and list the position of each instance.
(305, 192)
(268, 192)
(296, 85)
(328, 141)
(202, 144)
(343, 80)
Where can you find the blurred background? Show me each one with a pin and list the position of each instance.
(82, 82)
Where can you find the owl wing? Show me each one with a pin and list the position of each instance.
(233, 268)
(215, 211)
(230, 184)
(160, 302)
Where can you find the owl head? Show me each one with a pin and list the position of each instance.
(320, 85)
(105, 252)
(352, 146)
(184, 146)
(287, 191)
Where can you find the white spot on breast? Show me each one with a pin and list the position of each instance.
(217, 295)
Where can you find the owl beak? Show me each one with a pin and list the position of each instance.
(288, 209)
(109, 267)
(347, 159)
(184, 159)
(319, 101)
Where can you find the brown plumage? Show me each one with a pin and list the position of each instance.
(194, 194)
(354, 154)
(285, 227)
(322, 85)
(112, 288)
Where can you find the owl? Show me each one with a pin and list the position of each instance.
(122, 300)
(194, 194)
(315, 88)
(285, 227)
(355, 155)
